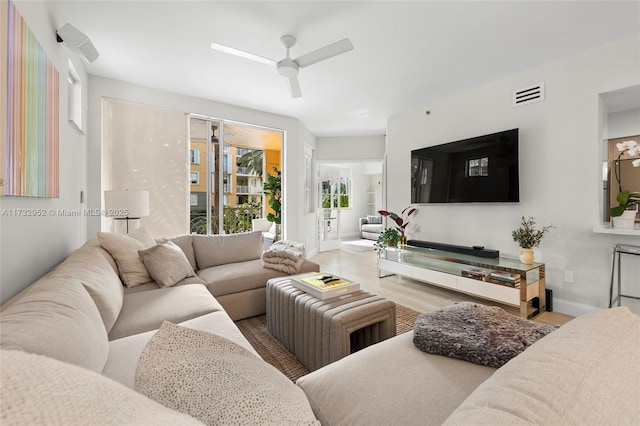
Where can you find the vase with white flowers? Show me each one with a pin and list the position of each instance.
(623, 215)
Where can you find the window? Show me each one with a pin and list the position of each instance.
(74, 112)
(194, 199)
(345, 192)
(308, 177)
(194, 155)
(226, 160)
(478, 167)
(195, 177)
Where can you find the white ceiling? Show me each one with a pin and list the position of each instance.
(407, 54)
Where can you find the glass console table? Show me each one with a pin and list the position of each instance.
(447, 269)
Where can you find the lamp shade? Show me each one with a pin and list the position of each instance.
(126, 204)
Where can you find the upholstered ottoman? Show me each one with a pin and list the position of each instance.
(320, 332)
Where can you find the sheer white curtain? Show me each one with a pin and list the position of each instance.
(147, 148)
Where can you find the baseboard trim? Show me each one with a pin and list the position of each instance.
(572, 308)
(350, 235)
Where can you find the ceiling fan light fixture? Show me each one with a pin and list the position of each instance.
(288, 68)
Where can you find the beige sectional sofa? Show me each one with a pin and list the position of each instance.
(80, 312)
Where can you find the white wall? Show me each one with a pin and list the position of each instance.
(624, 123)
(30, 246)
(351, 148)
(295, 135)
(560, 168)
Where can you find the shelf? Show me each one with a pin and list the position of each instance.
(445, 269)
(607, 229)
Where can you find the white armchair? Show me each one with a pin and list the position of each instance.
(370, 227)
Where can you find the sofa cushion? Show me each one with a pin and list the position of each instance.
(124, 249)
(56, 317)
(166, 263)
(241, 276)
(213, 250)
(40, 390)
(185, 242)
(372, 228)
(125, 352)
(586, 372)
(372, 219)
(391, 383)
(146, 310)
(486, 335)
(90, 267)
(95, 244)
(217, 381)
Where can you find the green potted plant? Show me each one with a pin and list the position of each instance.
(390, 237)
(401, 220)
(622, 214)
(528, 237)
(273, 189)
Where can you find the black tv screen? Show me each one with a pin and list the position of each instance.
(482, 169)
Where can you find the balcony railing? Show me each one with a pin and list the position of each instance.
(235, 220)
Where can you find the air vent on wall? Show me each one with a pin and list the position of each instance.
(528, 95)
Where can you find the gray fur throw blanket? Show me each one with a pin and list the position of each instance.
(485, 335)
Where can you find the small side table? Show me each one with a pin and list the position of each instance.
(618, 251)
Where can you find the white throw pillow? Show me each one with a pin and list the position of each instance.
(124, 250)
(166, 263)
(217, 381)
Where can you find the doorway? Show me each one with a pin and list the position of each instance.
(347, 191)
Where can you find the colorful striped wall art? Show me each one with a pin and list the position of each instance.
(30, 111)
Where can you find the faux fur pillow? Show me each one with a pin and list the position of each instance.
(485, 335)
(124, 250)
(166, 263)
(217, 381)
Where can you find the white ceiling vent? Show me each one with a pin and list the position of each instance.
(528, 95)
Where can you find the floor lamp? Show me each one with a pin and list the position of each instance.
(126, 205)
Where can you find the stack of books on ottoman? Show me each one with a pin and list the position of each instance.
(325, 286)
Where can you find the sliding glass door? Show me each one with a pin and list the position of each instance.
(229, 163)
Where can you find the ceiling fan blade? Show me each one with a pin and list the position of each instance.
(323, 53)
(295, 87)
(242, 54)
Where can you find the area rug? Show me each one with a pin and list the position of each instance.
(358, 245)
(274, 352)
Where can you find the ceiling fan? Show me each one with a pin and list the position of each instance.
(288, 67)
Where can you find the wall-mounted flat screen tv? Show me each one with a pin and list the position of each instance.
(482, 169)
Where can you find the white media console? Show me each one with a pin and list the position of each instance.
(446, 269)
